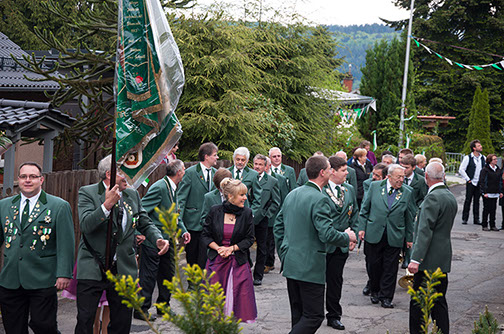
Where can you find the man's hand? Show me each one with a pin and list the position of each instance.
(187, 238)
(409, 244)
(139, 239)
(413, 267)
(162, 245)
(112, 196)
(351, 234)
(62, 283)
(486, 195)
(362, 234)
(351, 246)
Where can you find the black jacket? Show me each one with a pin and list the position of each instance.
(243, 233)
(361, 176)
(490, 181)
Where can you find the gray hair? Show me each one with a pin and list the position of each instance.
(341, 154)
(260, 157)
(242, 151)
(393, 167)
(435, 170)
(174, 167)
(104, 166)
(389, 156)
(274, 149)
(268, 161)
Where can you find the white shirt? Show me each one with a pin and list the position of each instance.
(261, 176)
(389, 186)
(33, 200)
(435, 185)
(277, 169)
(465, 163)
(205, 172)
(333, 186)
(173, 186)
(236, 170)
(407, 180)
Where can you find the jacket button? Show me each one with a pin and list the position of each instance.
(20, 258)
(20, 245)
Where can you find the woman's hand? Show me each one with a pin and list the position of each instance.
(224, 252)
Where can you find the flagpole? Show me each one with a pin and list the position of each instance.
(113, 173)
(405, 77)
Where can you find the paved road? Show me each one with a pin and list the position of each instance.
(476, 280)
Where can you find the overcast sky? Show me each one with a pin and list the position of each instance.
(341, 12)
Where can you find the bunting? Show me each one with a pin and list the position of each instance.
(497, 65)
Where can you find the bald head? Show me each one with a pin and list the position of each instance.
(341, 154)
(434, 173)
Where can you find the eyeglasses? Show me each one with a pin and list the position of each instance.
(31, 177)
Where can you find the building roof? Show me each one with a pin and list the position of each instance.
(29, 119)
(12, 76)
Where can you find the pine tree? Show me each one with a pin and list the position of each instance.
(479, 122)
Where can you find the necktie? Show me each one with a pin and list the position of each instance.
(238, 174)
(208, 179)
(408, 181)
(26, 213)
(276, 170)
(391, 191)
(338, 191)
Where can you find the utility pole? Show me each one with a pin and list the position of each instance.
(405, 77)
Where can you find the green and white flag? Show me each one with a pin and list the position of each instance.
(149, 79)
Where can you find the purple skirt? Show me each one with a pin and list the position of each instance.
(238, 287)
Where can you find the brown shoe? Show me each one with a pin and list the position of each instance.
(267, 269)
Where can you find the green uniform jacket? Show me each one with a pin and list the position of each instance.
(352, 177)
(270, 198)
(210, 199)
(419, 188)
(93, 225)
(419, 171)
(190, 194)
(160, 195)
(302, 229)
(29, 262)
(289, 173)
(375, 215)
(302, 178)
(284, 190)
(345, 216)
(432, 247)
(249, 178)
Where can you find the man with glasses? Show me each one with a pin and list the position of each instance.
(38, 235)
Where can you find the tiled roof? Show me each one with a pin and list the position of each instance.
(12, 76)
(16, 114)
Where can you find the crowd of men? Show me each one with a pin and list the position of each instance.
(313, 222)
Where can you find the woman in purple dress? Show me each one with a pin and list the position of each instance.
(228, 233)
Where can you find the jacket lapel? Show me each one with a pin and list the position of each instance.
(201, 177)
(397, 198)
(384, 193)
(14, 217)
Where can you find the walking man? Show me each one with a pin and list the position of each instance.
(470, 169)
(279, 168)
(38, 235)
(432, 248)
(302, 229)
(156, 268)
(96, 203)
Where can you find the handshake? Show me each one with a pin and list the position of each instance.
(353, 239)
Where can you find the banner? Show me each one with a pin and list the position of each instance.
(149, 79)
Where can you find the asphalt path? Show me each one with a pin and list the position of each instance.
(476, 280)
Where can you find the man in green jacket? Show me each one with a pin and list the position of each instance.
(303, 177)
(97, 202)
(432, 247)
(38, 235)
(302, 229)
(153, 267)
(249, 177)
(275, 154)
(386, 221)
(270, 204)
(351, 177)
(196, 183)
(345, 214)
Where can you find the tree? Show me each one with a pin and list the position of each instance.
(443, 89)
(479, 122)
(382, 80)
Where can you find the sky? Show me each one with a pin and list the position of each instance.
(340, 12)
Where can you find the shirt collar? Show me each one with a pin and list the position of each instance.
(33, 199)
(435, 185)
(315, 184)
(333, 185)
(389, 186)
(172, 184)
(203, 167)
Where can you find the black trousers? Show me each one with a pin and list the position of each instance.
(261, 235)
(40, 305)
(335, 262)
(307, 306)
(472, 194)
(88, 296)
(489, 208)
(196, 253)
(270, 245)
(155, 268)
(383, 267)
(439, 312)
